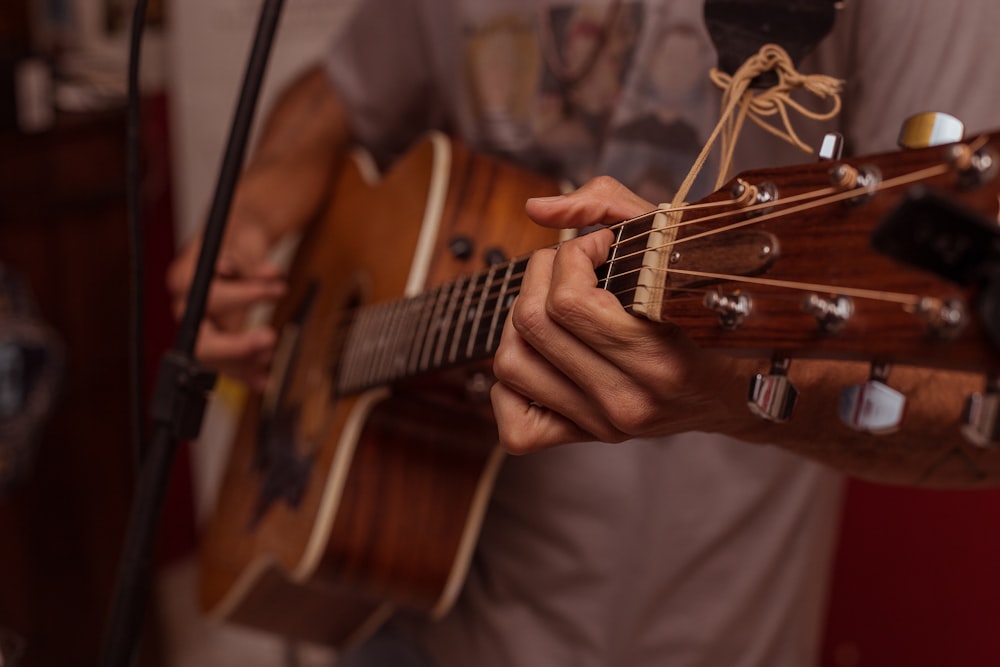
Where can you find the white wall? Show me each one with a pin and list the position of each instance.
(207, 45)
(208, 42)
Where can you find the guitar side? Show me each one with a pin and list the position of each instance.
(335, 510)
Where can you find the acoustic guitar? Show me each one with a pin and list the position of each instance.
(357, 482)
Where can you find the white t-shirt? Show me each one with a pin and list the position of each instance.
(695, 550)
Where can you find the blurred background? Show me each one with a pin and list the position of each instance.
(915, 581)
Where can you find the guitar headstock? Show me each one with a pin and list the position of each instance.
(891, 258)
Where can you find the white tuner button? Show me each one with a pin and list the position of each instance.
(873, 406)
(931, 128)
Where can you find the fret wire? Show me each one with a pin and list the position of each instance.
(347, 357)
(375, 344)
(609, 266)
(496, 312)
(474, 334)
(447, 325)
(465, 315)
(508, 301)
(400, 342)
(434, 328)
(427, 301)
(407, 329)
(354, 352)
(387, 340)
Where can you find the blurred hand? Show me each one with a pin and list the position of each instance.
(573, 365)
(245, 277)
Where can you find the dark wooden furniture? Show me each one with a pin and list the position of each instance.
(63, 227)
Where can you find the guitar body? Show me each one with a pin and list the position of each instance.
(334, 510)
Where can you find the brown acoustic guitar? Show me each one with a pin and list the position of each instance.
(357, 482)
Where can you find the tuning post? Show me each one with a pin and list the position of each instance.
(772, 396)
(945, 319)
(845, 177)
(831, 312)
(747, 194)
(981, 416)
(873, 406)
(974, 167)
(733, 308)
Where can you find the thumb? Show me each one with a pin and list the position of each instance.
(603, 200)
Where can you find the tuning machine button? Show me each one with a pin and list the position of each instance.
(773, 396)
(931, 128)
(981, 416)
(873, 406)
(832, 146)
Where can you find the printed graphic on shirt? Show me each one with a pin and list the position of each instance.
(592, 88)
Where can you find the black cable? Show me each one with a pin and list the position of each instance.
(134, 195)
(181, 386)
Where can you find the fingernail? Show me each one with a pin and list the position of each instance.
(547, 199)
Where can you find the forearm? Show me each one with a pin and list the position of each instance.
(927, 450)
(301, 144)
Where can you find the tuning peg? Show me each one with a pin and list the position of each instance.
(931, 128)
(832, 146)
(773, 396)
(981, 417)
(732, 308)
(873, 406)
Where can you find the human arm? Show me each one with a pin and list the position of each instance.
(282, 187)
(603, 374)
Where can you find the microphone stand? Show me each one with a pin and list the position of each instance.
(182, 386)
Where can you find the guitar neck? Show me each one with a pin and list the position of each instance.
(792, 274)
(460, 322)
(453, 324)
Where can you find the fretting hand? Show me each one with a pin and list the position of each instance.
(573, 365)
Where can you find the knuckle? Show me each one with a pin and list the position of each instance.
(505, 363)
(605, 184)
(517, 446)
(529, 318)
(564, 305)
(634, 416)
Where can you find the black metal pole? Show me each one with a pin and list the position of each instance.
(182, 386)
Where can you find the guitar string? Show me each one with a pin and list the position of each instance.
(827, 199)
(830, 196)
(813, 199)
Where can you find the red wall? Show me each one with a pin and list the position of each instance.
(917, 579)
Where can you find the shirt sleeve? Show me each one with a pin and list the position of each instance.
(382, 67)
